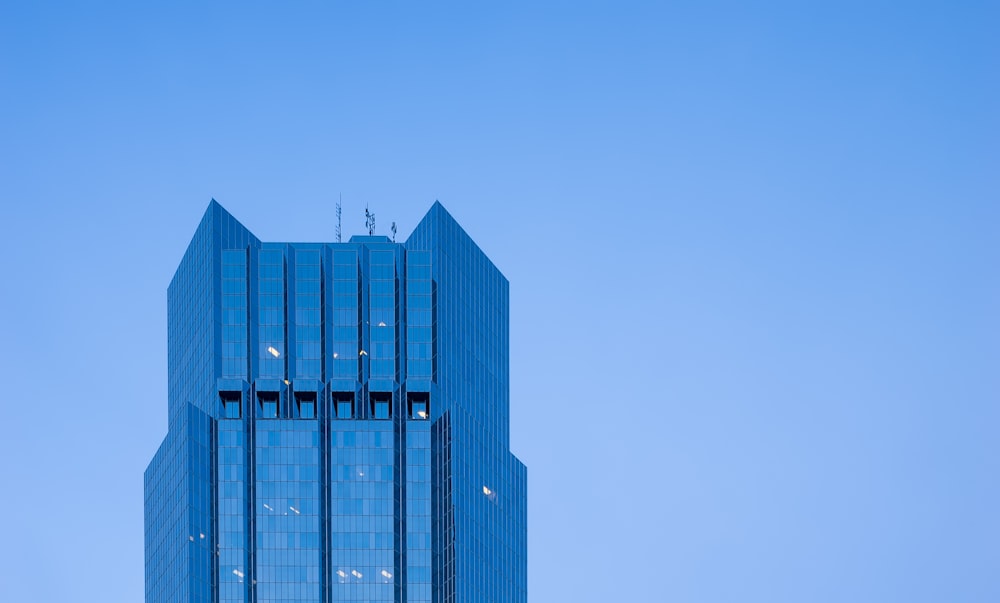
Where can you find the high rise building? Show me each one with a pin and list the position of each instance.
(338, 424)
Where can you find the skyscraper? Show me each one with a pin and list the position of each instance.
(337, 423)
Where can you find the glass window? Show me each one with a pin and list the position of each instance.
(305, 405)
(381, 405)
(268, 405)
(343, 405)
(307, 409)
(231, 407)
(419, 406)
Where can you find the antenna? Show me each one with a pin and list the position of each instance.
(369, 221)
(393, 229)
(339, 202)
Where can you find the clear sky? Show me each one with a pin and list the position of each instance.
(754, 253)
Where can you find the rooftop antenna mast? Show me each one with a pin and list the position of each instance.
(393, 229)
(339, 202)
(369, 221)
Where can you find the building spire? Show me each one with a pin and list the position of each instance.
(340, 201)
(369, 221)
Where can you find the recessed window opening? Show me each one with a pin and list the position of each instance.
(343, 405)
(231, 404)
(381, 405)
(267, 405)
(305, 403)
(419, 406)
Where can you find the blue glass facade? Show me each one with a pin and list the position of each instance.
(338, 424)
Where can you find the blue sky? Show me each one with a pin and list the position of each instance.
(753, 253)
